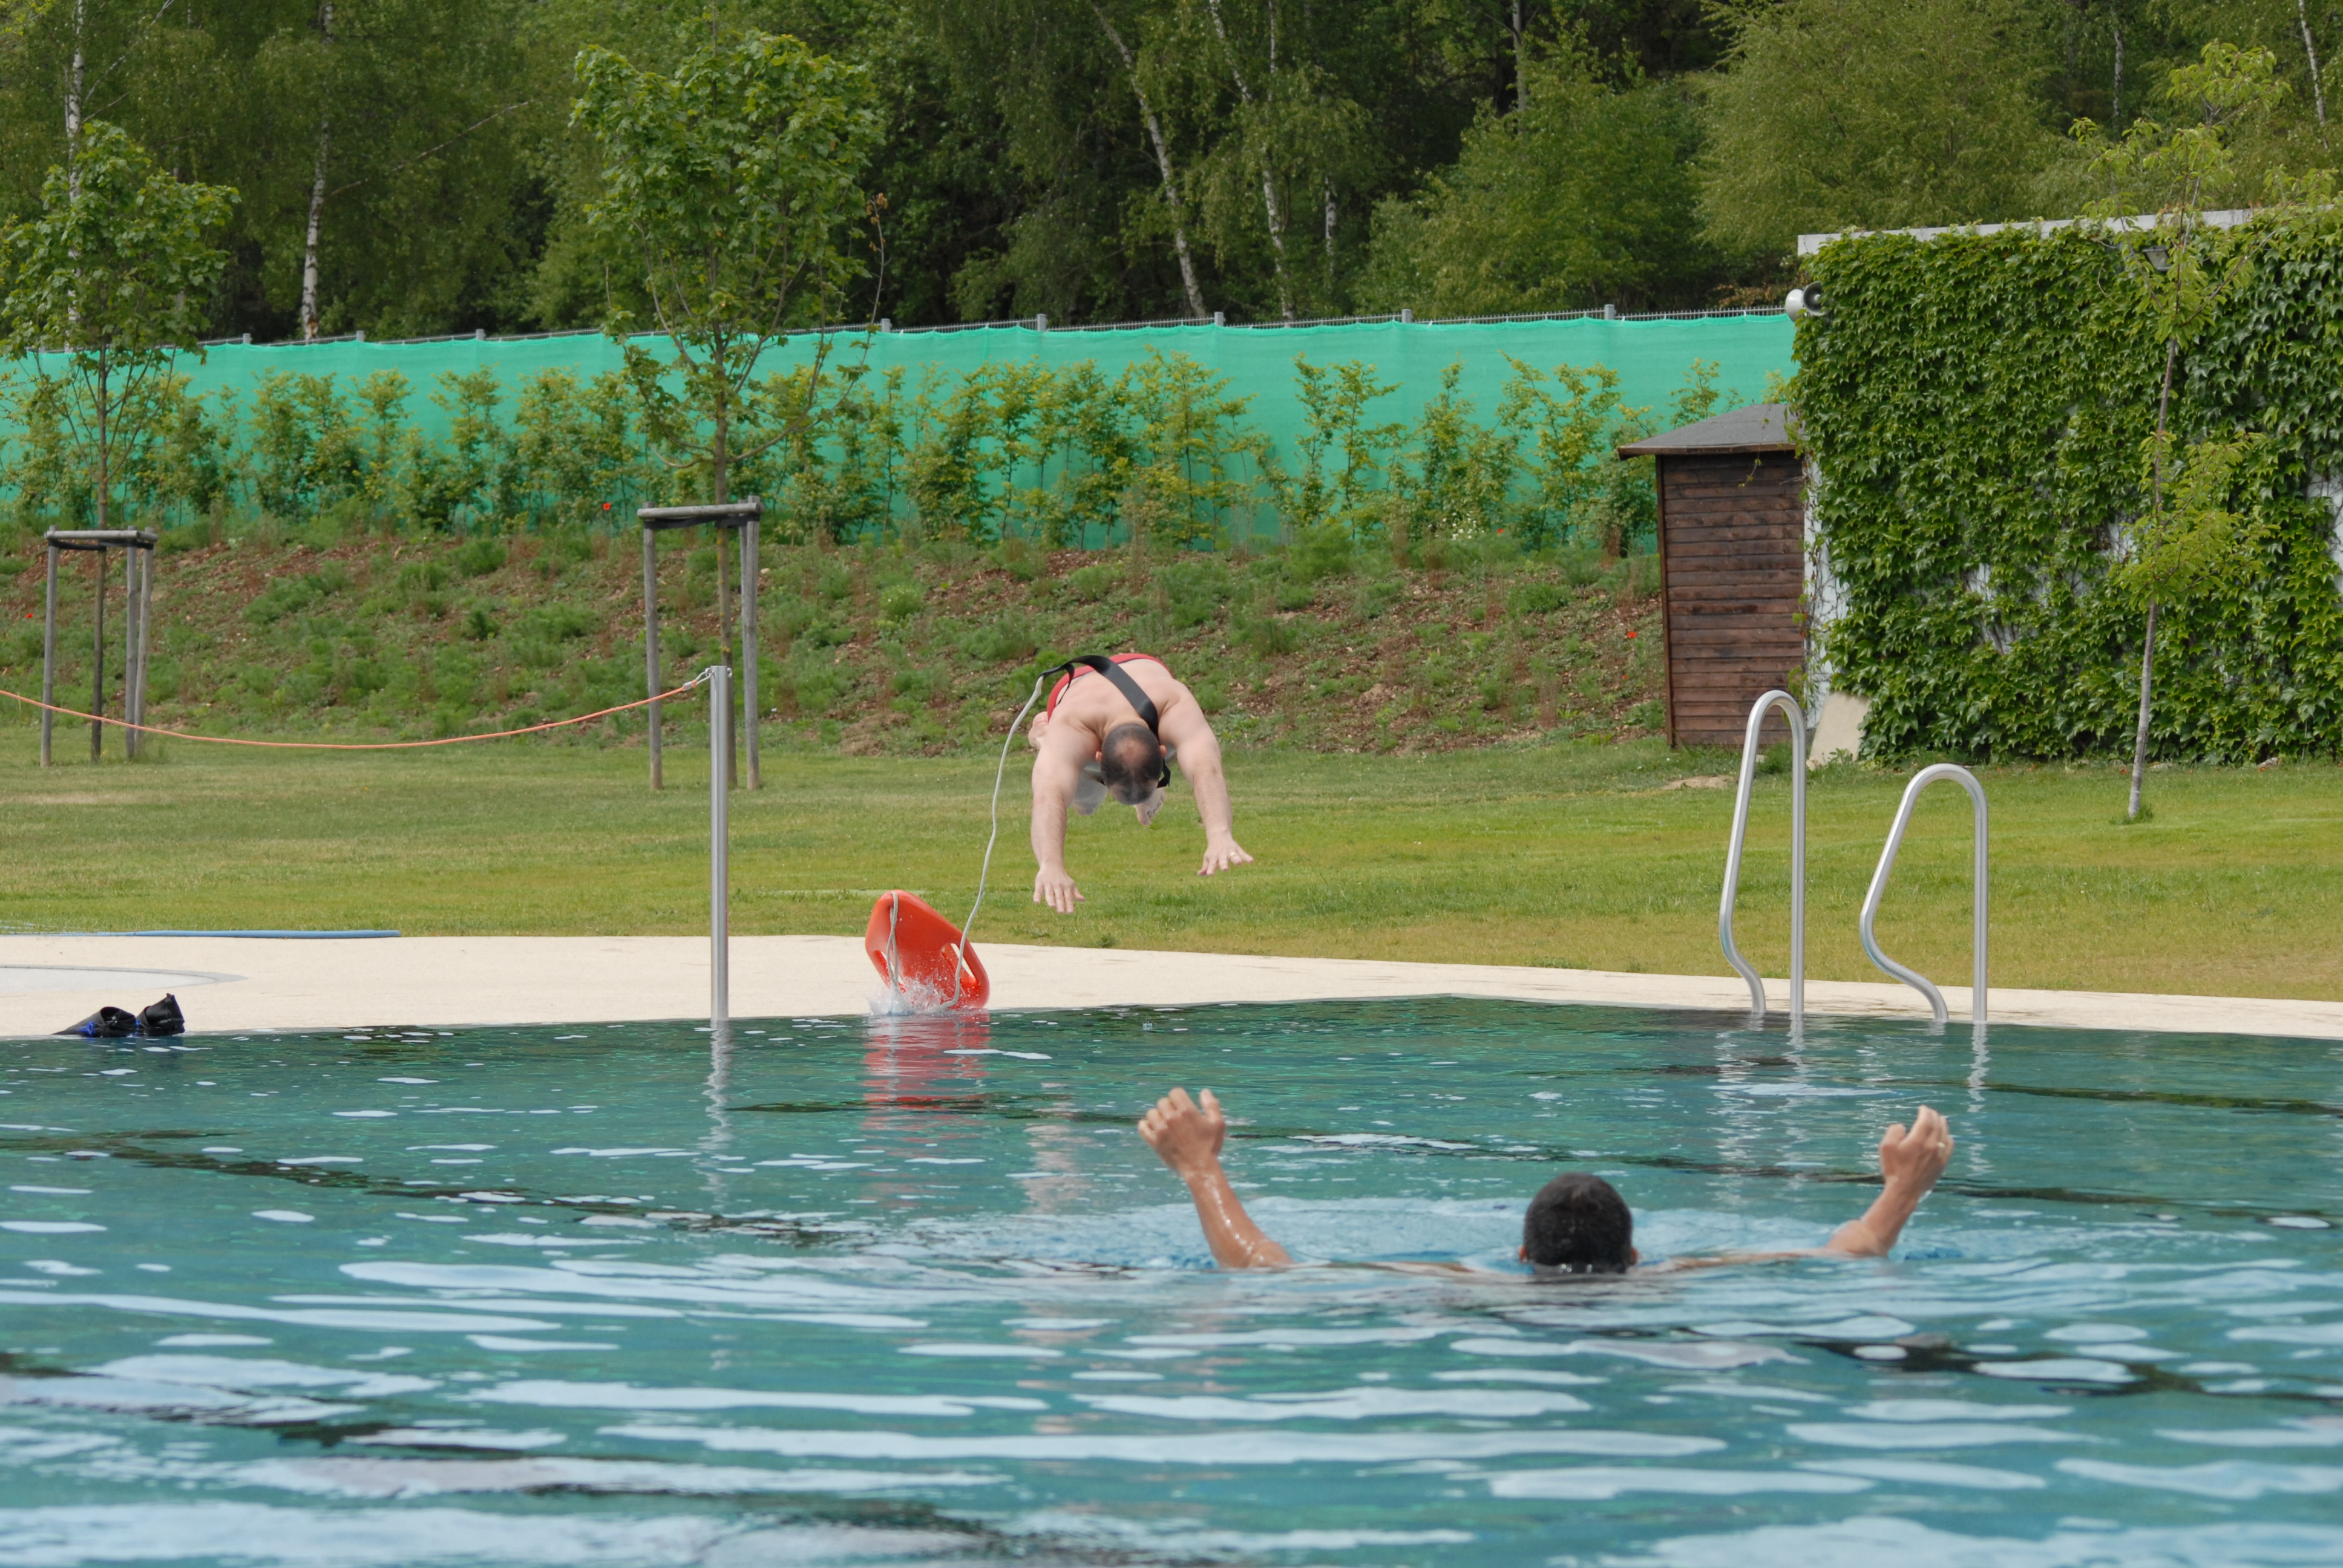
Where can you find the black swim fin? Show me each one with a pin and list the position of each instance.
(163, 1018)
(105, 1023)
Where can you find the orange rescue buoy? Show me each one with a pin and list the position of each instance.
(913, 948)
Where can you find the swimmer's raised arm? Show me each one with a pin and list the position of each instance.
(1187, 1138)
(1910, 1161)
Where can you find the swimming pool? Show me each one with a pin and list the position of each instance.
(870, 1292)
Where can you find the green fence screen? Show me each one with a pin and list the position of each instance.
(1651, 357)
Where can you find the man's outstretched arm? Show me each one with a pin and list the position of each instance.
(1187, 1137)
(1199, 759)
(1911, 1162)
(1055, 777)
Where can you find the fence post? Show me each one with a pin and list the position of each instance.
(750, 575)
(720, 857)
(97, 667)
(145, 626)
(651, 646)
(49, 657)
(130, 650)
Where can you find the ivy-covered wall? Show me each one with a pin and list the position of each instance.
(1975, 407)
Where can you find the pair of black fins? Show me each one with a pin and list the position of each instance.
(120, 1023)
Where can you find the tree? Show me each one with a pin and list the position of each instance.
(1582, 196)
(1859, 114)
(104, 286)
(734, 180)
(2188, 532)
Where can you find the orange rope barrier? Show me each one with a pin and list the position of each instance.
(351, 745)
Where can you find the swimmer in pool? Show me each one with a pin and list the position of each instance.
(1115, 731)
(1577, 1223)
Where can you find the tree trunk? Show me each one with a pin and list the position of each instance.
(2147, 646)
(2146, 693)
(1273, 210)
(72, 100)
(1163, 163)
(2114, 101)
(1520, 60)
(105, 475)
(2311, 52)
(317, 197)
(1327, 189)
(309, 243)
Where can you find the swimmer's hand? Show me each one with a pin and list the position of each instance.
(1909, 1163)
(1220, 854)
(1187, 1137)
(1053, 886)
(1184, 1135)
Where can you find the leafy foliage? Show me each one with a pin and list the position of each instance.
(1981, 409)
(1582, 196)
(98, 289)
(1855, 114)
(734, 179)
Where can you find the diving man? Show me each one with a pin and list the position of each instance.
(1115, 727)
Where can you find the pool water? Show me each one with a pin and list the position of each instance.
(902, 1290)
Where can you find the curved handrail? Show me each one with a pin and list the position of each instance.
(1913, 978)
(1796, 715)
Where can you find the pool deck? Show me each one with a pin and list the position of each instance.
(229, 984)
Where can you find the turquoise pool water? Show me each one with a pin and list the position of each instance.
(871, 1292)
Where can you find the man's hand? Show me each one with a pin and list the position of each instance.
(1909, 1163)
(1186, 1136)
(1915, 1158)
(1222, 853)
(1054, 887)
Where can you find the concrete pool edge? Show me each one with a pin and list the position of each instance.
(472, 981)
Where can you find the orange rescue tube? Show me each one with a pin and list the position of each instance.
(913, 948)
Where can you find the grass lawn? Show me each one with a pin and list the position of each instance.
(1571, 855)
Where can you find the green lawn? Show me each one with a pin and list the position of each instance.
(1569, 855)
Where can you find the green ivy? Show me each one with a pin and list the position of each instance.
(1975, 406)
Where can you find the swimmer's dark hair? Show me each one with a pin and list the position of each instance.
(1579, 1224)
(1130, 761)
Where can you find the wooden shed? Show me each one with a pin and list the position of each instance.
(1731, 541)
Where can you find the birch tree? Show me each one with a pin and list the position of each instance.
(1172, 203)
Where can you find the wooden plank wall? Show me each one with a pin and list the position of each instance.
(1732, 540)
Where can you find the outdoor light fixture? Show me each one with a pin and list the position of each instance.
(1806, 301)
(2157, 256)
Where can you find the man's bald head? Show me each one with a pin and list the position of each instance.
(1130, 761)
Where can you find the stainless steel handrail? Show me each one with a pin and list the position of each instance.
(1978, 887)
(1747, 971)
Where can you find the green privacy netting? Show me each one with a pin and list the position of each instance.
(1651, 357)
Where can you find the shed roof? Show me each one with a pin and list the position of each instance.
(1759, 427)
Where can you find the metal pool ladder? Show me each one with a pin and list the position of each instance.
(1797, 717)
(1913, 978)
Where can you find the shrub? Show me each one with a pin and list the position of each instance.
(478, 557)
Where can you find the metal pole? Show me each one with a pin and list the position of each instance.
(130, 650)
(1978, 872)
(145, 626)
(49, 658)
(651, 646)
(1733, 848)
(720, 858)
(749, 575)
(97, 668)
(724, 636)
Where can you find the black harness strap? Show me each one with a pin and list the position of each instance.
(1139, 700)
